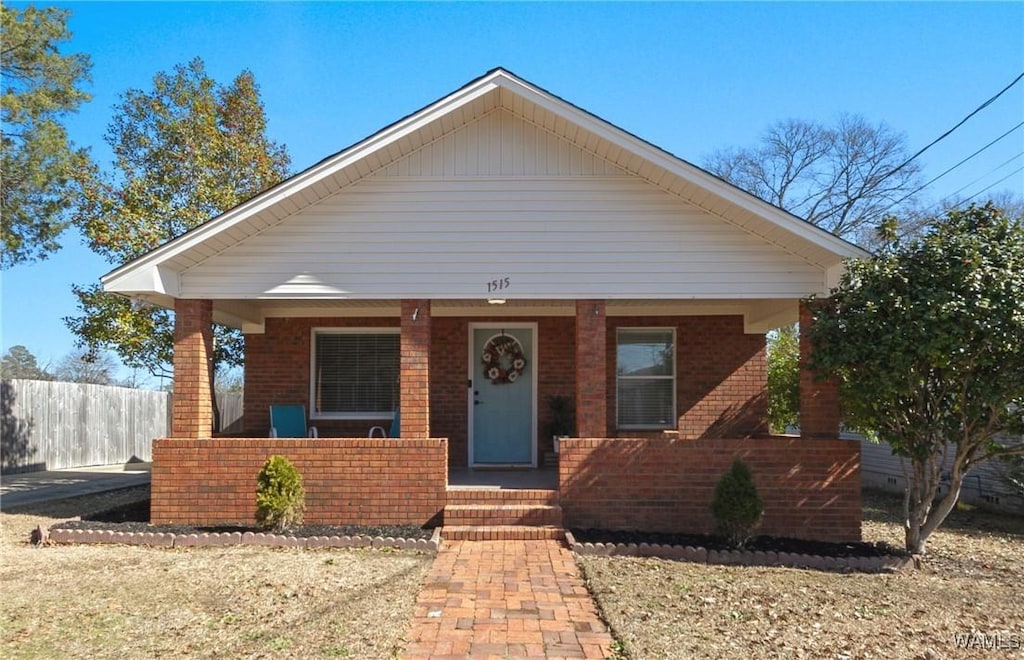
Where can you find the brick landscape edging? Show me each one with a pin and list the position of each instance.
(166, 540)
(699, 555)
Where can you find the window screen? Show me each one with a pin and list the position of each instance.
(356, 373)
(646, 378)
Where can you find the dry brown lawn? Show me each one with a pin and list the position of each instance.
(973, 581)
(105, 601)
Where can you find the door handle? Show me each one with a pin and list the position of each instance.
(476, 403)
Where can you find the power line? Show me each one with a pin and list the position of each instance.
(917, 190)
(965, 187)
(994, 169)
(958, 125)
(1019, 169)
(931, 144)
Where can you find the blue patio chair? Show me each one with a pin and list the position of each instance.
(395, 431)
(290, 422)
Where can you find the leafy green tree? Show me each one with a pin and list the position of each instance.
(19, 362)
(928, 340)
(39, 163)
(783, 378)
(185, 151)
(843, 178)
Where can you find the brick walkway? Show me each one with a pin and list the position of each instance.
(506, 599)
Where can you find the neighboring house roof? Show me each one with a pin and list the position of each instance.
(542, 179)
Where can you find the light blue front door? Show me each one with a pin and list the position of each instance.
(502, 402)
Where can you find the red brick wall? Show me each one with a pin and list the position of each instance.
(592, 391)
(720, 389)
(277, 372)
(810, 489)
(415, 369)
(192, 414)
(721, 376)
(819, 398)
(347, 481)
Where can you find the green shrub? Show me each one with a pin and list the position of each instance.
(280, 498)
(736, 505)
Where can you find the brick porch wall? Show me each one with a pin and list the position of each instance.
(810, 488)
(277, 372)
(720, 390)
(347, 481)
(721, 376)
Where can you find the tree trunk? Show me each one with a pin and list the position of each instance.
(923, 514)
(921, 488)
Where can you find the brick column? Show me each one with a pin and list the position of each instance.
(819, 399)
(591, 371)
(192, 416)
(415, 369)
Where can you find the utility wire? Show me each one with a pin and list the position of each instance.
(1019, 169)
(965, 187)
(958, 125)
(919, 189)
(828, 212)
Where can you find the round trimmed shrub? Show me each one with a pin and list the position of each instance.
(280, 497)
(736, 506)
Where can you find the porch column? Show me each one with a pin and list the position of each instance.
(591, 372)
(819, 399)
(414, 379)
(192, 415)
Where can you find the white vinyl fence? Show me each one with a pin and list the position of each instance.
(982, 486)
(52, 425)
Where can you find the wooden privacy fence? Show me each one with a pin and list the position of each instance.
(52, 425)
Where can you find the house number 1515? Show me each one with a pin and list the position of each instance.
(499, 284)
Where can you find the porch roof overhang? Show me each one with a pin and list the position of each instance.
(156, 277)
(759, 316)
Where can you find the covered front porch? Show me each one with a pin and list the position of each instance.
(685, 369)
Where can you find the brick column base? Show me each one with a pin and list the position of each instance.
(415, 369)
(591, 369)
(819, 399)
(192, 415)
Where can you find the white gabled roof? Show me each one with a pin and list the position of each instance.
(155, 274)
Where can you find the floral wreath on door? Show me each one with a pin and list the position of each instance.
(503, 359)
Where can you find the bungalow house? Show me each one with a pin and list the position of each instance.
(467, 263)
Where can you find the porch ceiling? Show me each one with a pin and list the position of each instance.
(250, 315)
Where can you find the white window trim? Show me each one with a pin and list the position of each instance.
(675, 360)
(313, 413)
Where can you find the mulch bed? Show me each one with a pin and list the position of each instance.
(134, 517)
(763, 543)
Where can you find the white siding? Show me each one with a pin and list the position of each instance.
(553, 237)
(982, 485)
(500, 144)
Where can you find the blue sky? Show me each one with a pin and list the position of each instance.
(689, 77)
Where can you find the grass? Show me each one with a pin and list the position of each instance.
(108, 601)
(971, 582)
(103, 601)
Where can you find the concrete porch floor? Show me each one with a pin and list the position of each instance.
(525, 479)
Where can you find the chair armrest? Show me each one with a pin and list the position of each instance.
(313, 433)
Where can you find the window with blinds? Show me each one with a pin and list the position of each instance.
(355, 373)
(645, 367)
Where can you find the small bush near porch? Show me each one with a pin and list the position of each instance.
(970, 584)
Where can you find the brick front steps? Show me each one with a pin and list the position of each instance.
(700, 555)
(489, 514)
(58, 535)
